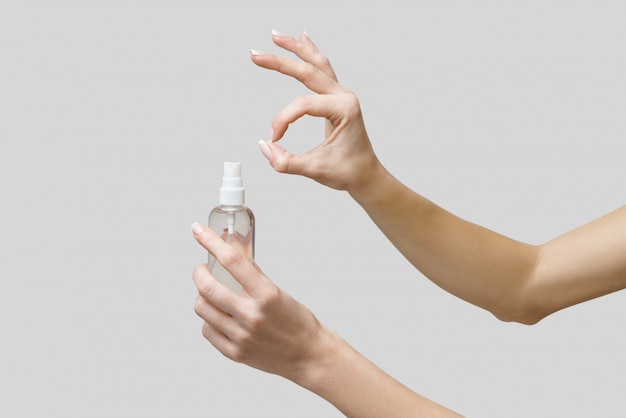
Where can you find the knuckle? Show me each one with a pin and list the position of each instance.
(281, 122)
(237, 355)
(206, 289)
(206, 331)
(352, 104)
(198, 271)
(204, 240)
(300, 101)
(231, 259)
(270, 298)
(242, 349)
(281, 64)
(321, 60)
(256, 320)
(317, 168)
(198, 306)
(303, 102)
(281, 164)
(244, 341)
(307, 70)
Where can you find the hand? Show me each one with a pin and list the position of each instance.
(345, 160)
(265, 328)
(261, 326)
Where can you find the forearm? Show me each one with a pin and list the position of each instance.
(358, 388)
(476, 264)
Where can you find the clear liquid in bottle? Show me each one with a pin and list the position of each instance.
(233, 221)
(235, 224)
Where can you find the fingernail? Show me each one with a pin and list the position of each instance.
(257, 53)
(196, 228)
(306, 34)
(278, 34)
(271, 134)
(265, 149)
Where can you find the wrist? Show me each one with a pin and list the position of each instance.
(377, 183)
(319, 364)
(341, 375)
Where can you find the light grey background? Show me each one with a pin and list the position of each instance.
(116, 117)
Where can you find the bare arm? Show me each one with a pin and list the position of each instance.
(513, 280)
(582, 264)
(265, 328)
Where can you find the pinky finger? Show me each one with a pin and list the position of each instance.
(218, 339)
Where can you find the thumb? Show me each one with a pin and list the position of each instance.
(285, 162)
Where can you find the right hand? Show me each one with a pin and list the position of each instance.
(261, 326)
(345, 159)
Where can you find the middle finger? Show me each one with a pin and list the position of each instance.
(305, 49)
(313, 78)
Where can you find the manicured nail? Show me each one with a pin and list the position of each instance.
(265, 149)
(278, 34)
(306, 34)
(257, 53)
(271, 134)
(196, 228)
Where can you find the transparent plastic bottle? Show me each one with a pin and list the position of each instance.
(233, 221)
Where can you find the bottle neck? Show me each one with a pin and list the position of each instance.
(231, 208)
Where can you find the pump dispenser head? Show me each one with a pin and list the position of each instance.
(232, 192)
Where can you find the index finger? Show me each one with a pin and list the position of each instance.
(308, 74)
(232, 260)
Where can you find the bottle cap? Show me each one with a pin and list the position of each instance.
(232, 192)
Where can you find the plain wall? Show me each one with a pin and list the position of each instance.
(116, 117)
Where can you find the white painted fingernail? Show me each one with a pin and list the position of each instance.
(257, 53)
(278, 34)
(265, 149)
(196, 228)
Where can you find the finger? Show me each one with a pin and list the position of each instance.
(213, 291)
(306, 50)
(332, 107)
(309, 75)
(283, 161)
(232, 260)
(218, 340)
(214, 316)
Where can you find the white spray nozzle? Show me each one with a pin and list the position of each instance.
(231, 223)
(232, 192)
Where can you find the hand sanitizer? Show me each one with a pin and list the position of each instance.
(233, 221)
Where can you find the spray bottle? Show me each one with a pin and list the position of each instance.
(233, 221)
